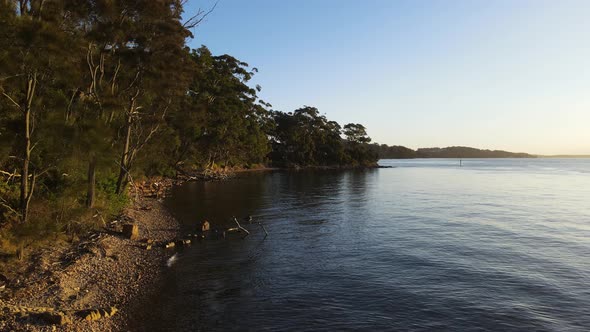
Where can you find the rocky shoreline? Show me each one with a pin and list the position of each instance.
(78, 287)
(105, 270)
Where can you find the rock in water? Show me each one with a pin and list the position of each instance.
(205, 226)
(172, 260)
(131, 231)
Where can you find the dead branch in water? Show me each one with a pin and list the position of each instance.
(240, 227)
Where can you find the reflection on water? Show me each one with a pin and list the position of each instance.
(499, 245)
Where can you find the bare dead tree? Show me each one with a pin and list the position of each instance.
(193, 21)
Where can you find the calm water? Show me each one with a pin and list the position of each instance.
(495, 245)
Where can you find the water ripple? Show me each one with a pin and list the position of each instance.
(496, 245)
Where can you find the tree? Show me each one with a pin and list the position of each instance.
(34, 68)
(306, 138)
(356, 133)
(138, 70)
(358, 150)
(222, 120)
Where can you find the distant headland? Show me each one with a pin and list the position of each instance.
(401, 152)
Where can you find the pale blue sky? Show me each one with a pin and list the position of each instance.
(512, 75)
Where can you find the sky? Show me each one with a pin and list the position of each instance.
(505, 74)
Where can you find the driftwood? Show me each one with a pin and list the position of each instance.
(207, 174)
(129, 229)
(240, 227)
(263, 228)
(249, 220)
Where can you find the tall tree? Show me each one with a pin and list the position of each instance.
(156, 52)
(34, 68)
(138, 70)
(358, 150)
(306, 138)
(356, 133)
(223, 121)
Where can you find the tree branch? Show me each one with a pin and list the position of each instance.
(133, 83)
(8, 77)
(5, 204)
(12, 100)
(10, 175)
(114, 80)
(196, 19)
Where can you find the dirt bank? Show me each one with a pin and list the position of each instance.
(104, 270)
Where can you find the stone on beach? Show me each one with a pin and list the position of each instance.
(96, 314)
(183, 242)
(56, 318)
(131, 231)
(70, 268)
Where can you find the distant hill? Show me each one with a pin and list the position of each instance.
(466, 152)
(393, 152)
(401, 152)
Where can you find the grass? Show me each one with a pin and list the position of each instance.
(59, 219)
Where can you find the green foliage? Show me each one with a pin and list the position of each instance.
(117, 96)
(466, 152)
(8, 199)
(306, 138)
(222, 120)
(356, 133)
(113, 203)
(392, 152)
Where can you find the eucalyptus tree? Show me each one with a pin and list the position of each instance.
(223, 121)
(137, 70)
(35, 73)
(306, 138)
(357, 148)
(356, 133)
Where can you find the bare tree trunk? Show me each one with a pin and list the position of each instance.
(24, 179)
(124, 167)
(91, 182)
(25, 192)
(23, 7)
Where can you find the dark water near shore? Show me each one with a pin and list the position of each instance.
(495, 245)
